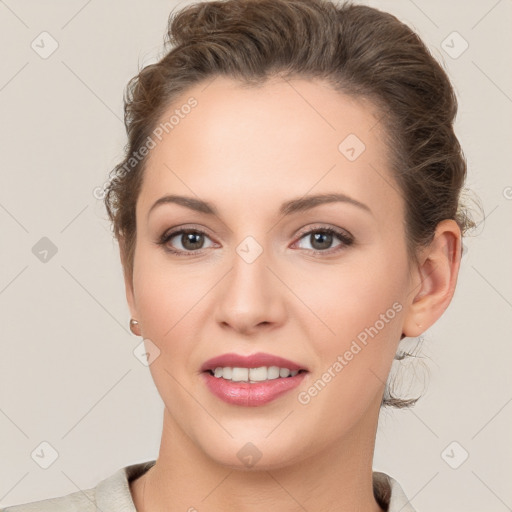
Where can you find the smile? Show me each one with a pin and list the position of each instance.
(261, 374)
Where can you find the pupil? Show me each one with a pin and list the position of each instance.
(191, 239)
(318, 238)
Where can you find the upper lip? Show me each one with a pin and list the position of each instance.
(233, 360)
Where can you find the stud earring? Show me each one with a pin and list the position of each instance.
(134, 327)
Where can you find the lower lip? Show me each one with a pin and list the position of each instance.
(251, 395)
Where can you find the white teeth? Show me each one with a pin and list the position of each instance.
(258, 374)
(240, 374)
(253, 374)
(284, 372)
(273, 372)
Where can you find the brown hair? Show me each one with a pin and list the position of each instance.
(359, 50)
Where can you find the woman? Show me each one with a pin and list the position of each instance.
(287, 211)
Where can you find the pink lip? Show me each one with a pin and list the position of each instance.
(253, 361)
(246, 393)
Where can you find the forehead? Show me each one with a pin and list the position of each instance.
(249, 146)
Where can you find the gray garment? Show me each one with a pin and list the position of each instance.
(113, 495)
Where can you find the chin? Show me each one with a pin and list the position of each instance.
(256, 453)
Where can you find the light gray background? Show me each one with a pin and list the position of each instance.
(67, 372)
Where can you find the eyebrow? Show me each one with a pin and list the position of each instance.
(288, 208)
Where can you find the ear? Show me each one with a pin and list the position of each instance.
(435, 280)
(128, 279)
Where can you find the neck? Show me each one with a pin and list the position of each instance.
(184, 478)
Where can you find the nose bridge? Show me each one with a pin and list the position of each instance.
(249, 279)
(250, 295)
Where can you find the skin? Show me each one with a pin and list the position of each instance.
(247, 150)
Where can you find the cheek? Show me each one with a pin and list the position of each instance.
(165, 295)
(165, 303)
(352, 296)
(362, 304)
(363, 308)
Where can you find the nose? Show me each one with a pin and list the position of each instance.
(251, 297)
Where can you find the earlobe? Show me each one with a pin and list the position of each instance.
(437, 276)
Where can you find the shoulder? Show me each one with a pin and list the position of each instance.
(80, 501)
(111, 494)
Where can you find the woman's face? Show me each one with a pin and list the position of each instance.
(265, 277)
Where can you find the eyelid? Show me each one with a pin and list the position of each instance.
(184, 227)
(322, 227)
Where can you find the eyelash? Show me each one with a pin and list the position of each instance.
(345, 238)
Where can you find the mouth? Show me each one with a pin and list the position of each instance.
(252, 380)
(252, 368)
(253, 375)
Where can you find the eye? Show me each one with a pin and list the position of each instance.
(191, 241)
(184, 241)
(321, 240)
